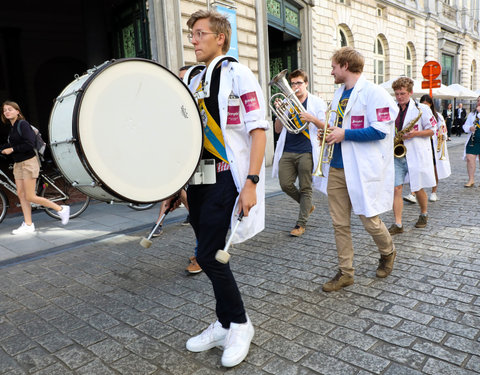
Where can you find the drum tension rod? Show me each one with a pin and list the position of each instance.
(60, 98)
(91, 184)
(71, 140)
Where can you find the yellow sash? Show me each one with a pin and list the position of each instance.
(298, 123)
(212, 134)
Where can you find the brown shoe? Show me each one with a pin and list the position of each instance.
(421, 222)
(395, 229)
(193, 267)
(385, 264)
(338, 282)
(297, 231)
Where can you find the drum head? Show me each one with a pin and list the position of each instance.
(139, 130)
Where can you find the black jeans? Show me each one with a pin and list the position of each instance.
(210, 209)
(449, 127)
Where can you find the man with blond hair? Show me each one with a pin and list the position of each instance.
(416, 166)
(233, 112)
(361, 170)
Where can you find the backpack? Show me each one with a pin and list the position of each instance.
(40, 144)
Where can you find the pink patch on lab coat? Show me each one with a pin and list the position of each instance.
(233, 117)
(250, 101)
(383, 114)
(357, 122)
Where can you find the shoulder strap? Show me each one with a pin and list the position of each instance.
(205, 93)
(19, 129)
(192, 72)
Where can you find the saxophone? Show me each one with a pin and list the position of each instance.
(399, 149)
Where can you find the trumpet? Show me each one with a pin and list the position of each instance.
(326, 156)
(286, 105)
(441, 142)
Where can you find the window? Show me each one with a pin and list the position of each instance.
(408, 62)
(342, 38)
(284, 16)
(410, 23)
(378, 62)
(447, 69)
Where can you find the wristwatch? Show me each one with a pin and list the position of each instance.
(254, 178)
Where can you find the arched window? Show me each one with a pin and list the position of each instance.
(342, 38)
(408, 62)
(378, 62)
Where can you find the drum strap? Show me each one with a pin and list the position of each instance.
(212, 134)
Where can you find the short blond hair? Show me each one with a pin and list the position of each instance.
(218, 24)
(403, 83)
(350, 56)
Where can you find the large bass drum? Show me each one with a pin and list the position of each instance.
(128, 130)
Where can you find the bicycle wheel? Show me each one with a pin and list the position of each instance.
(140, 206)
(63, 193)
(3, 205)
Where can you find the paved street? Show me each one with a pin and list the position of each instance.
(113, 307)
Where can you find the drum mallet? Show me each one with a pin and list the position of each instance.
(222, 255)
(147, 242)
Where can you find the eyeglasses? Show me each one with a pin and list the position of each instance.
(297, 83)
(197, 35)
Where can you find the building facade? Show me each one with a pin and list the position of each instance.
(396, 37)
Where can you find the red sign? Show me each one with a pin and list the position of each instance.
(431, 70)
(431, 84)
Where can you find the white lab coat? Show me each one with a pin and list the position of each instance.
(316, 107)
(421, 173)
(443, 166)
(368, 166)
(239, 80)
(466, 128)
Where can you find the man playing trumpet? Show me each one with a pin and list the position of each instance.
(296, 155)
(361, 170)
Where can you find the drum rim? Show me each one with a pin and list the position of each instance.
(76, 135)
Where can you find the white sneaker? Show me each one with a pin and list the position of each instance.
(213, 336)
(24, 228)
(237, 343)
(433, 197)
(64, 214)
(410, 198)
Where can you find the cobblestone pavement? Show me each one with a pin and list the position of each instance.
(113, 307)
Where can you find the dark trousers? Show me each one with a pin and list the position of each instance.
(210, 209)
(457, 125)
(449, 127)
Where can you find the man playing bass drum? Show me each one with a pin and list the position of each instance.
(361, 170)
(416, 165)
(233, 112)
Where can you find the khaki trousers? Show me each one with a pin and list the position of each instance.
(340, 210)
(291, 166)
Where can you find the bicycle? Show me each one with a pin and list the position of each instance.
(52, 186)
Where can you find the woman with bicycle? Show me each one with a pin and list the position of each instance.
(20, 146)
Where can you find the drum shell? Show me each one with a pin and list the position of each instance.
(64, 145)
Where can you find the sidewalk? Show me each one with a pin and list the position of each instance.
(100, 221)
